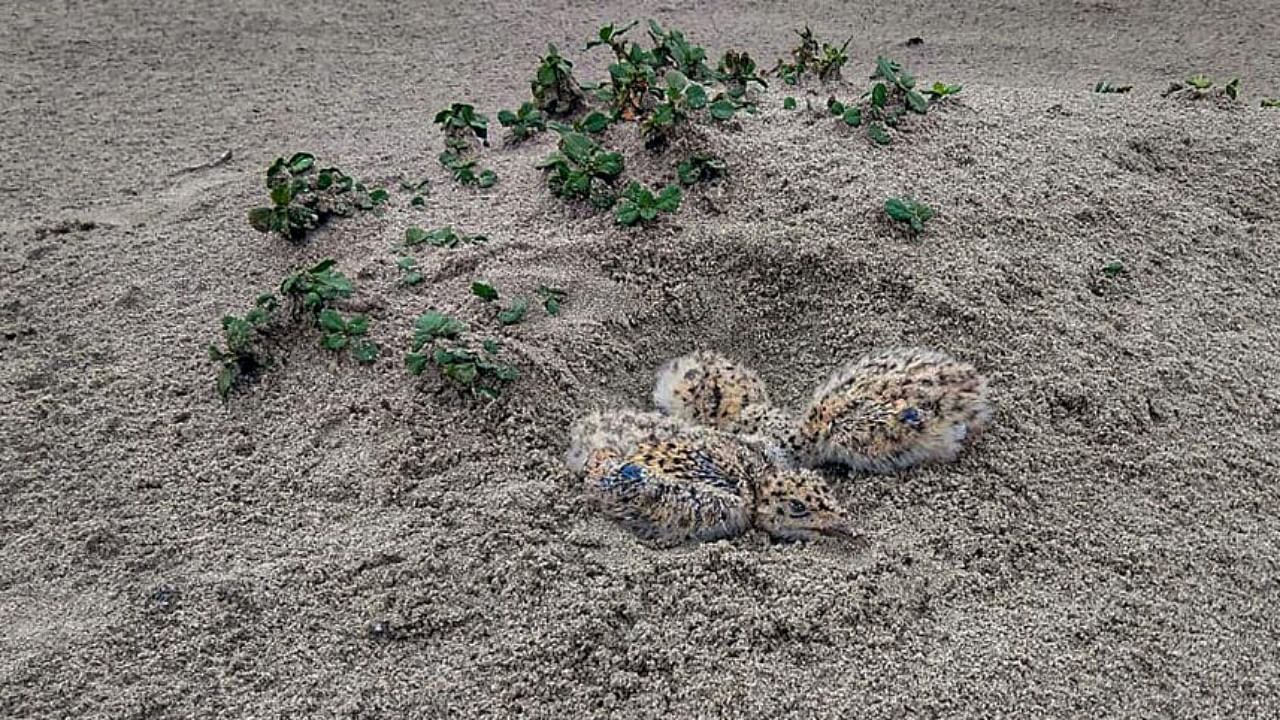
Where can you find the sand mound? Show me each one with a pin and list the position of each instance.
(349, 541)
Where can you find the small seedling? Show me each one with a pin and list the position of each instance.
(460, 122)
(410, 274)
(906, 210)
(347, 333)
(611, 37)
(1107, 88)
(1232, 89)
(680, 99)
(1271, 102)
(700, 167)
(555, 91)
(824, 60)
(551, 299)
(514, 313)
(465, 170)
(244, 355)
(312, 290)
(639, 205)
(788, 103)
(445, 237)
(1200, 82)
(737, 71)
(478, 372)
(672, 50)
(484, 291)
(1114, 269)
(1200, 86)
(303, 197)
(891, 97)
(582, 169)
(851, 114)
(939, 90)
(523, 122)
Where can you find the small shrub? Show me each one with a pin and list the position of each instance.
(445, 237)
(700, 167)
(821, 59)
(303, 197)
(905, 210)
(437, 340)
(347, 333)
(555, 91)
(639, 205)
(524, 122)
(672, 50)
(737, 71)
(243, 354)
(582, 170)
(312, 290)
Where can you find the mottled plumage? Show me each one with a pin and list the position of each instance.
(672, 484)
(710, 389)
(892, 410)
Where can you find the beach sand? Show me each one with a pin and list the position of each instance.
(348, 541)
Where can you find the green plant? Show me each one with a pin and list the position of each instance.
(312, 290)
(892, 95)
(514, 313)
(244, 354)
(680, 99)
(524, 122)
(939, 90)
(445, 237)
(303, 197)
(788, 103)
(410, 274)
(639, 205)
(555, 91)
(582, 169)
(737, 70)
(484, 291)
(1200, 86)
(1105, 87)
(611, 37)
(460, 122)
(1199, 82)
(1271, 102)
(700, 167)
(905, 210)
(672, 50)
(1232, 89)
(1114, 269)
(347, 333)
(465, 170)
(630, 85)
(551, 299)
(851, 114)
(478, 372)
(821, 59)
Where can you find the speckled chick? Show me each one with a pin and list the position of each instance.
(708, 388)
(675, 491)
(892, 410)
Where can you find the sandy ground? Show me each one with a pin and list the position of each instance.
(348, 542)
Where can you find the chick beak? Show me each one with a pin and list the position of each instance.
(845, 531)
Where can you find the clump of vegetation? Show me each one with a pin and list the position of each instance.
(737, 71)
(510, 315)
(551, 299)
(445, 237)
(583, 170)
(892, 96)
(631, 82)
(410, 274)
(555, 91)
(347, 333)
(244, 354)
(303, 197)
(1201, 86)
(1107, 88)
(437, 340)
(524, 122)
(462, 125)
(419, 188)
(310, 293)
(700, 167)
(672, 50)
(811, 57)
(905, 210)
(638, 204)
(680, 98)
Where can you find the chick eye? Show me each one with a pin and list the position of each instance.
(912, 417)
(797, 509)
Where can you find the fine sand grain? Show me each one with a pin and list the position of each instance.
(341, 541)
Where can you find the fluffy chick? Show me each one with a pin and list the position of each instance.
(892, 410)
(677, 491)
(708, 388)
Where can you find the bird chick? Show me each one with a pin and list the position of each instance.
(708, 388)
(892, 410)
(718, 487)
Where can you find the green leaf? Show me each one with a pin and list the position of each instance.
(506, 118)
(608, 165)
(1200, 82)
(852, 116)
(300, 163)
(627, 213)
(418, 201)
(669, 199)
(331, 321)
(379, 196)
(487, 178)
(788, 103)
(723, 109)
(1113, 269)
(917, 103)
(879, 95)
(491, 346)
(281, 194)
(515, 313)
(226, 379)
(365, 353)
(260, 219)
(878, 134)
(334, 341)
(415, 236)
(696, 96)
(433, 324)
(595, 122)
(358, 325)
(1233, 89)
(484, 291)
(897, 209)
(552, 306)
(415, 363)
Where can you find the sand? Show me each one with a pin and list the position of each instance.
(341, 541)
